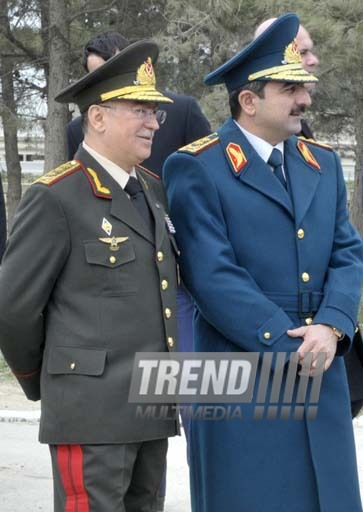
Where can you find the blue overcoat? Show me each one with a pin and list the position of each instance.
(258, 260)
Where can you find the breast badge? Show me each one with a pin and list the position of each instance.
(106, 226)
(114, 241)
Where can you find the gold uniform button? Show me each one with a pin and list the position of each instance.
(167, 312)
(160, 256)
(305, 277)
(72, 366)
(170, 342)
(112, 259)
(308, 320)
(267, 335)
(164, 284)
(300, 233)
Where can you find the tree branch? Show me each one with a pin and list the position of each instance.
(18, 44)
(91, 11)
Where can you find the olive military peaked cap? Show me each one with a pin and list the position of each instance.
(128, 75)
(271, 56)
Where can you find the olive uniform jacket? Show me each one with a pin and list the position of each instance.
(75, 308)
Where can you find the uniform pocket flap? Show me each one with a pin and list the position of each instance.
(78, 361)
(99, 253)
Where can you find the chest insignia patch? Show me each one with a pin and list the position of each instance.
(237, 157)
(106, 226)
(114, 241)
(170, 225)
(307, 155)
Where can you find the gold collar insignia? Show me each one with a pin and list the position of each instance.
(307, 155)
(237, 157)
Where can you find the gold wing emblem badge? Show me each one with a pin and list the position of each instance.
(114, 241)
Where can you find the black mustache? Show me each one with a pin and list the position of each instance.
(300, 110)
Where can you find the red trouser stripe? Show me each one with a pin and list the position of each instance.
(70, 462)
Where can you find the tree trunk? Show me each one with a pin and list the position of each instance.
(59, 54)
(357, 201)
(8, 115)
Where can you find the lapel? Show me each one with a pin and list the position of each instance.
(155, 206)
(303, 178)
(104, 186)
(254, 173)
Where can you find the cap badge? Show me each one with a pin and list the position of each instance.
(292, 54)
(145, 74)
(237, 157)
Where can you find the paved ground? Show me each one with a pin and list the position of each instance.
(25, 472)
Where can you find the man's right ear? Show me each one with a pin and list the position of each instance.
(247, 101)
(96, 118)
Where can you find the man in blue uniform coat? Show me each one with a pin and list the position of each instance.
(274, 266)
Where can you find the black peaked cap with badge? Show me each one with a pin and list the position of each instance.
(273, 56)
(128, 75)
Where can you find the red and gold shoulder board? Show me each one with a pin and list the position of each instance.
(316, 143)
(150, 173)
(59, 173)
(196, 147)
(307, 155)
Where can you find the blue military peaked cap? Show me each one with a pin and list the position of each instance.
(273, 55)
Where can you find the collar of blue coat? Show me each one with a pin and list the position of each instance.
(303, 176)
(272, 56)
(241, 155)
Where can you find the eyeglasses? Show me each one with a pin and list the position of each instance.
(140, 113)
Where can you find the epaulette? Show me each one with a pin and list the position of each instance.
(59, 173)
(196, 147)
(150, 173)
(316, 143)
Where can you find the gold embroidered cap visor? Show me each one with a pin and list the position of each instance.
(273, 55)
(129, 75)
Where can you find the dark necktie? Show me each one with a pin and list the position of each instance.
(137, 197)
(275, 161)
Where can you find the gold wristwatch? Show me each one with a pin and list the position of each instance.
(338, 333)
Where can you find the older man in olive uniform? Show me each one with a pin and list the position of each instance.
(275, 267)
(87, 281)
